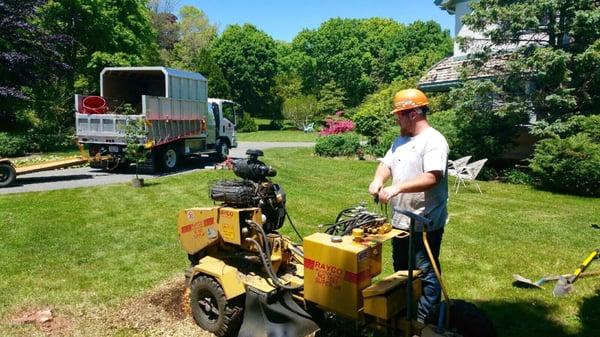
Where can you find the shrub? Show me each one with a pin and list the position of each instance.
(568, 165)
(12, 145)
(488, 173)
(246, 124)
(515, 176)
(336, 126)
(44, 141)
(276, 124)
(445, 122)
(344, 144)
(383, 143)
(372, 117)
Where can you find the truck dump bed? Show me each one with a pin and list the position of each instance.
(173, 104)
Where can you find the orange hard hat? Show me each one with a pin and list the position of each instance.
(409, 99)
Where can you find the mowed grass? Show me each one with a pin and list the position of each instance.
(278, 136)
(82, 249)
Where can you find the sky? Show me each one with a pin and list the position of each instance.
(283, 19)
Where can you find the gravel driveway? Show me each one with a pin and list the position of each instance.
(86, 176)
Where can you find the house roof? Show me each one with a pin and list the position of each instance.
(447, 73)
(448, 5)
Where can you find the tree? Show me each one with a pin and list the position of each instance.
(301, 110)
(336, 52)
(103, 33)
(248, 59)
(554, 70)
(361, 55)
(192, 51)
(28, 60)
(167, 30)
(331, 99)
(196, 35)
(206, 65)
(288, 82)
(165, 24)
(481, 131)
(162, 6)
(135, 152)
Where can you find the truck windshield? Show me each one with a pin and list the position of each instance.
(228, 111)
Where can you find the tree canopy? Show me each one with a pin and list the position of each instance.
(554, 70)
(103, 33)
(248, 59)
(66, 43)
(360, 55)
(29, 59)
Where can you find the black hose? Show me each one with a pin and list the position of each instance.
(269, 269)
(291, 223)
(264, 235)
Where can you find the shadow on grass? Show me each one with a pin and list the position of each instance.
(151, 183)
(527, 319)
(522, 319)
(589, 314)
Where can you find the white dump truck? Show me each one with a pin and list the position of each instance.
(180, 120)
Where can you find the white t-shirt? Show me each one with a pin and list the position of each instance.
(407, 158)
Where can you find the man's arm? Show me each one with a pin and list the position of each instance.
(421, 183)
(382, 174)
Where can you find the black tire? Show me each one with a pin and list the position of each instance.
(120, 167)
(166, 158)
(8, 175)
(222, 149)
(211, 309)
(466, 319)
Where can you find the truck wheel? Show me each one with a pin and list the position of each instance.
(466, 319)
(165, 159)
(211, 310)
(222, 150)
(170, 158)
(7, 175)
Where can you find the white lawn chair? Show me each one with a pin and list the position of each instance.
(455, 166)
(468, 173)
(309, 128)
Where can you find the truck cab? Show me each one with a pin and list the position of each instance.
(224, 117)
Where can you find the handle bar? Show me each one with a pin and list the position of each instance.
(414, 216)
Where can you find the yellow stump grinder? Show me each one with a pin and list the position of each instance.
(247, 279)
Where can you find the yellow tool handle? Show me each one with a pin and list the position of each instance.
(585, 264)
(438, 275)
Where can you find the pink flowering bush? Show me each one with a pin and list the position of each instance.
(336, 125)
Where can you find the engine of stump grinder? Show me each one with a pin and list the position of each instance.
(247, 279)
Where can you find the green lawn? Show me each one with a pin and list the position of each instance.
(83, 249)
(277, 136)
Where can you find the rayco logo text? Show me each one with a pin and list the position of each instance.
(326, 275)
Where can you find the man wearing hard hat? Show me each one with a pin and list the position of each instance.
(417, 164)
